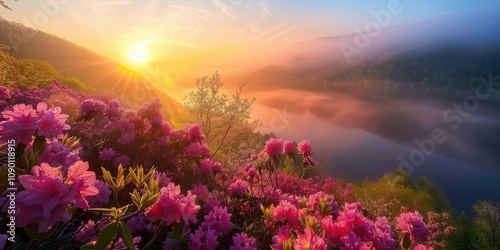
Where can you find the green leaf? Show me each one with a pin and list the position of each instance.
(106, 236)
(406, 241)
(178, 230)
(101, 210)
(107, 177)
(20, 150)
(126, 236)
(39, 144)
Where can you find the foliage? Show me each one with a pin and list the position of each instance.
(488, 218)
(386, 196)
(224, 121)
(469, 236)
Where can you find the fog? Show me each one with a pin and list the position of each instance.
(358, 137)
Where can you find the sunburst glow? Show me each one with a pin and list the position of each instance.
(138, 54)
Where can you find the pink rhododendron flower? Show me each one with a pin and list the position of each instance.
(162, 177)
(48, 194)
(355, 221)
(84, 183)
(171, 206)
(216, 166)
(309, 241)
(194, 132)
(284, 233)
(288, 147)
(313, 201)
(20, 124)
(269, 193)
(196, 149)
(205, 167)
(189, 207)
(353, 242)
(137, 223)
(151, 111)
(210, 204)
(219, 220)
(286, 212)
(385, 236)
(90, 105)
(107, 154)
(39, 173)
(166, 207)
(45, 204)
(334, 230)
(51, 122)
(113, 108)
(102, 197)
(273, 147)
(304, 147)
(123, 124)
(57, 154)
(238, 187)
(126, 138)
(242, 241)
(412, 223)
(201, 191)
(251, 172)
(121, 159)
(203, 240)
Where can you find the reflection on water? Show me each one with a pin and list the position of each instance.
(358, 138)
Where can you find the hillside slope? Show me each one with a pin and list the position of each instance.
(92, 69)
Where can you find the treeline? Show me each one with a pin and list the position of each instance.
(444, 73)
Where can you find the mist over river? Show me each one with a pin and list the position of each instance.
(358, 137)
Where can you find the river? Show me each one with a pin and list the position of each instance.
(356, 137)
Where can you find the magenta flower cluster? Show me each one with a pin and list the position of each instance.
(23, 121)
(48, 194)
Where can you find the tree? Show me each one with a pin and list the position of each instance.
(386, 196)
(225, 122)
(468, 235)
(441, 203)
(488, 215)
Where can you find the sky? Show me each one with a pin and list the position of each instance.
(180, 33)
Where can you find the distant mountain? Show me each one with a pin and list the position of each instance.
(92, 69)
(446, 49)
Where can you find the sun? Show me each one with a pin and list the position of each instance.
(138, 54)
